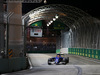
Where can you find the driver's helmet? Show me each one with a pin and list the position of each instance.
(59, 54)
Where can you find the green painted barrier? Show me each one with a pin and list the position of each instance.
(81, 52)
(78, 52)
(99, 55)
(95, 55)
(73, 51)
(58, 51)
(91, 53)
(85, 52)
(88, 53)
(69, 52)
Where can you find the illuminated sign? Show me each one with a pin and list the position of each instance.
(36, 24)
(36, 32)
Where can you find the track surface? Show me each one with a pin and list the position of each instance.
(78, 65)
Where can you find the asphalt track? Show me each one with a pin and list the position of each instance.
(78, 65)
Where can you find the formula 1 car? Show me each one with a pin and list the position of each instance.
(58, 60)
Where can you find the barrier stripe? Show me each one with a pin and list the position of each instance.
(10, 54)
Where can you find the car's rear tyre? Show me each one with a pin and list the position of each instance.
(66, 60)
(64, 63)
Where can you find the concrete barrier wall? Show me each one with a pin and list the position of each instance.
(4, 65)
(12, 64)
(91, 53)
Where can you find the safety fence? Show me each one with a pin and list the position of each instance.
(91, 53)
(12, 64)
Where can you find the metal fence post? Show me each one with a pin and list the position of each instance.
(7, 34)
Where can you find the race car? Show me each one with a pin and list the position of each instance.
(58, 60)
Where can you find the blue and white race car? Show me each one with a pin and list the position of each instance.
(58, 60)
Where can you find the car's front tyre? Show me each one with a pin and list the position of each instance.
(49, 62)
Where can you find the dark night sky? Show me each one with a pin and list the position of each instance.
(92, 7)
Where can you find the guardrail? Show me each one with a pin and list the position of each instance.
(91, 53)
